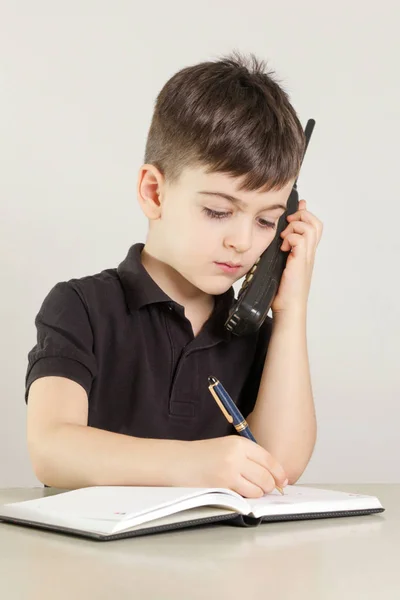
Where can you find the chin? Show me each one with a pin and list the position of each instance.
(213, 287)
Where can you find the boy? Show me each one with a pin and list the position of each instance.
(116, 385)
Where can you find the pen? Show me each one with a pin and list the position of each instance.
(231, 411)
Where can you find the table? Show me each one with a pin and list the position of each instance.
(347, 558)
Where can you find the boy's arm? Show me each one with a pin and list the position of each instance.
(67, 453)
(283, 420)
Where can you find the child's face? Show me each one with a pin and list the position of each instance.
(197, 227)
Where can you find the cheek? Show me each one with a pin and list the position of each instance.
(262, 242)
(187, 237)
(198, 230)
(200, 243)
(267, 238)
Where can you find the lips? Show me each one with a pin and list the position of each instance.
(230, 264)
(228, 268)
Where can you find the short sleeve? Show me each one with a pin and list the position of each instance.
(64, 346)
(249, 392)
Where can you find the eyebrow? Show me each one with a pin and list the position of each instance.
(237, 201)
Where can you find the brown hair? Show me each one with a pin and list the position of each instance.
(229, 116)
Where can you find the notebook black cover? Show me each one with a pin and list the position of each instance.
(234, 519)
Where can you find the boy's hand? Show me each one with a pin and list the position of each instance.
(232, 462)
(301, 238)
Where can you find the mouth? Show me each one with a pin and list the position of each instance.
(229, 267)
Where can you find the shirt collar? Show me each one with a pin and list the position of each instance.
(141, 290)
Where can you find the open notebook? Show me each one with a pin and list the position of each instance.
(112, 512)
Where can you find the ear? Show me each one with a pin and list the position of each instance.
(150, 187)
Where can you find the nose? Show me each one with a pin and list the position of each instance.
(239, 237)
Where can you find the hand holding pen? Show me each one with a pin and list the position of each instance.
(231, 411)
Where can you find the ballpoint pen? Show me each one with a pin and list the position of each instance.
(231, 411)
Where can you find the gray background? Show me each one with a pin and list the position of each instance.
(78, 82)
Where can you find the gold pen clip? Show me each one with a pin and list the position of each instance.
(228, 417)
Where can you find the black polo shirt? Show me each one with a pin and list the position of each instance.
(132, 349)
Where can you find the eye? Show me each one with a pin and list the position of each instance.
(214, 214)
(267, 224)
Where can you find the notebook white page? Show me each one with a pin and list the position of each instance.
(105, 527)
(119, 504)
(299, 499)
(113, 509)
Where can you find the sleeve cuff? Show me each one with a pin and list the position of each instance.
(59, 367)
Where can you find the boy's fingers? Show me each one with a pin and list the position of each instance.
(294, 240)
(302, 215)
(247, 489)
(259, 455)
(304, 230)
(259, 476)
(306, 217)
(302, 204)
(299, 227)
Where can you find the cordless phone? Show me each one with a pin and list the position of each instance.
(262, 281)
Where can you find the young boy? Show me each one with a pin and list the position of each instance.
(117, 384)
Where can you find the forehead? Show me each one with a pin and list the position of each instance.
(198, 180)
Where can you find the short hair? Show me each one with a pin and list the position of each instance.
(229, 116)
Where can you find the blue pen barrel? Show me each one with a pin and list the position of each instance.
(247, 433)
(239, 421)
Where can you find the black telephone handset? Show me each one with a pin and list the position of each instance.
(262, 281)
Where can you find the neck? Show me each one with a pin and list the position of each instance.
(174, 284)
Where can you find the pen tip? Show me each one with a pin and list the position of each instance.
(212, 379)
